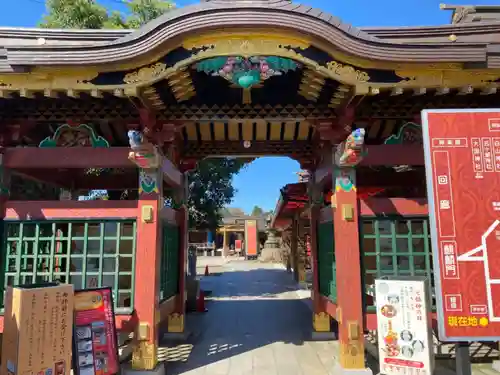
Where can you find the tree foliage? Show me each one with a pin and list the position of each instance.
(89, 14)
(210, 189)
(210, 185)
(257, 211)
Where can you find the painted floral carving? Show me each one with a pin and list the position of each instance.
(246, 72)
(409, 133)
(148, 182)
(79, 135)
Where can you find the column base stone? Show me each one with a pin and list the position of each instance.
(339, 370)
(323, 336)
(126, 369)
(176, 336)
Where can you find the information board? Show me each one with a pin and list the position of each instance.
(95, 343)
(462, 160)
(404, 334)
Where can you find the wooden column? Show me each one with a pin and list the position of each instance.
(147, 269)
(176, 320)
(321, 319)
(294, 247)
(347, 255)
(4, 185)
(287, 252)
(224, 242)
(301, 250)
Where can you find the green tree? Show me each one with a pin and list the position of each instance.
(257, 211)
(210, 189)
(210, 185)
(89, 14)
(74, 14)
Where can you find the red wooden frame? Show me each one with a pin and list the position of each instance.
(393, 206)
(71, 210)
(372, 207)
(26, 158)
(53, 210)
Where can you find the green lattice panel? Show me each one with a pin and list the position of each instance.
(87, 254)
(394, 247)
(169, 277)
(326, 261)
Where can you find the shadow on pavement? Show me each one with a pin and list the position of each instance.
(248, 310)
(253, 283)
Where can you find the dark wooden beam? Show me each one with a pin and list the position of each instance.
(391, 155)
(53, 178)
(388, 177)
(171, 175)
(378, 155)
(67, 158)
(73, 179)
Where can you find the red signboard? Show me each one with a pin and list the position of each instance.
(95, 343)
(462, 159)
(251, 240)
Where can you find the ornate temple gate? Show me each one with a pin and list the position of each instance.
(286, 80)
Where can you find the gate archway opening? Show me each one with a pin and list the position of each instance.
(285, 80)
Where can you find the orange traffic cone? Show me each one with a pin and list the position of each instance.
(206, 271)
(200, 303)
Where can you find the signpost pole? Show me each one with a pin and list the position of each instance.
(462, 358)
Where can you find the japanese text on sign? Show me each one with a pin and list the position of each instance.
(464, 207)
(467, 321)
(449, 254)
(403, 331)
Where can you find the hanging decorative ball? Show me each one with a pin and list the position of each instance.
(246, 81)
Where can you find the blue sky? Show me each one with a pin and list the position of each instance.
(260, 182)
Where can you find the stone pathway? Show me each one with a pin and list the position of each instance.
(256, 324)
(259, 323)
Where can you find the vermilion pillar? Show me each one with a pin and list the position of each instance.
(147, 269)
(347, 255)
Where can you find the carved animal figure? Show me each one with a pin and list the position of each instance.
(135, 139)
(354, 148)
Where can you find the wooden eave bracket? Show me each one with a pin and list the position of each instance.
(151, 99)
(336, 129)
(311, 84)
(181, 85)
(342, 96)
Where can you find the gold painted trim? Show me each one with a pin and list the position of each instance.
(246, 42)
(145, 73)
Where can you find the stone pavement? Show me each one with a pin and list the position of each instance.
(259, 323)
(214, 263)
(255, 324)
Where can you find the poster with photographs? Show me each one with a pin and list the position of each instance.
(95, 349)
(404, 332)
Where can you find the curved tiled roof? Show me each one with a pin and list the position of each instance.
(223, 13)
